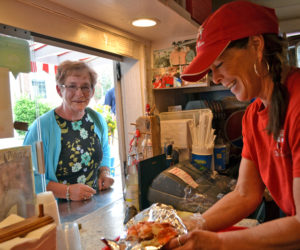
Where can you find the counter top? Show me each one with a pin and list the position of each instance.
(106, 222)
(73, 210)
(101, 216)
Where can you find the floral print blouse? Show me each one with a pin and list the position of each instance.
(81, 152)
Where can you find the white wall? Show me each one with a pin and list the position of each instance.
(132, 96)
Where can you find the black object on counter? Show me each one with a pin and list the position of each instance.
(130, 213)
(182, 194)
(147, 170)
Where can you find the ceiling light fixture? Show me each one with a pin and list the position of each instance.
(144, 22)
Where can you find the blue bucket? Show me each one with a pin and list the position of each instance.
(201, 162)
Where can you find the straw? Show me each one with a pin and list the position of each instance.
(203, 134)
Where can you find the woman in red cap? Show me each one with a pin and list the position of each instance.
(239, 44)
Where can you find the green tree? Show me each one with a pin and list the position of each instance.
(25, 110)
(105, 82)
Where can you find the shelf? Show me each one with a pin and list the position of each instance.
(179, 95)
(198, 87)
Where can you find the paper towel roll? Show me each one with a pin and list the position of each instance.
(50, 205)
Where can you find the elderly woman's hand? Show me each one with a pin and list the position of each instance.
(79, 192)
(104, 181)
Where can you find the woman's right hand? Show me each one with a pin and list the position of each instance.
(79, 192)
(194, 222)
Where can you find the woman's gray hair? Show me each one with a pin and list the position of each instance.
(68, 67)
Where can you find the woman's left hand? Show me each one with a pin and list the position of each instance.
(105, 181)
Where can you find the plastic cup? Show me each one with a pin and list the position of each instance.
(68, 236)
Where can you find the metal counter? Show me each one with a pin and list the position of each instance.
(101, 216)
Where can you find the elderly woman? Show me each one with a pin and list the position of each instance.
(75, 138)
(239, 44)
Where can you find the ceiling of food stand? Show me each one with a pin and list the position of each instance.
(119, 13)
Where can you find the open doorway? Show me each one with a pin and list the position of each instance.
(38, 87)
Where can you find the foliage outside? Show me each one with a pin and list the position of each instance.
(103, 85)
(105, 111)
(25, 111)
(106, 82)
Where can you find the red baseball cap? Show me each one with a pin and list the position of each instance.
(232, 21)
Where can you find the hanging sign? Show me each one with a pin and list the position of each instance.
(15, 55)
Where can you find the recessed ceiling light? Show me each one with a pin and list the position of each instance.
(144, 22)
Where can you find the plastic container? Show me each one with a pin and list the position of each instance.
(132, 187)
(68, 236)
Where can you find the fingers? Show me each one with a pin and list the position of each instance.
(88, 189)
(81, 192)
(105, 182)
(175, 243)
(87, 192)
(179, 242)
(87, 197)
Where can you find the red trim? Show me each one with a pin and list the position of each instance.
(63, 53)
(83, 59)
(40, 47)
(46, 67)
(33, 67)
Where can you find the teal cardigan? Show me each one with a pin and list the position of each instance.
(51, 136)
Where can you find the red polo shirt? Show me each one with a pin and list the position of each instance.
(278, 161)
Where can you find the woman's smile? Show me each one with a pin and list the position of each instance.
(231, 85)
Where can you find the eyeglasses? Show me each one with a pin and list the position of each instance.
(72, 89)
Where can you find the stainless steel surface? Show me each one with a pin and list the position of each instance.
(73, 210)
(105, 222)
(101, 216)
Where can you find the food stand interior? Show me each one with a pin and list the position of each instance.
(102, 28)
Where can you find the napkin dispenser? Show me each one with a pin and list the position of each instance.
(36, 232)
(49, 204)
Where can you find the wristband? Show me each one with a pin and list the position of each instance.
(68, 193)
